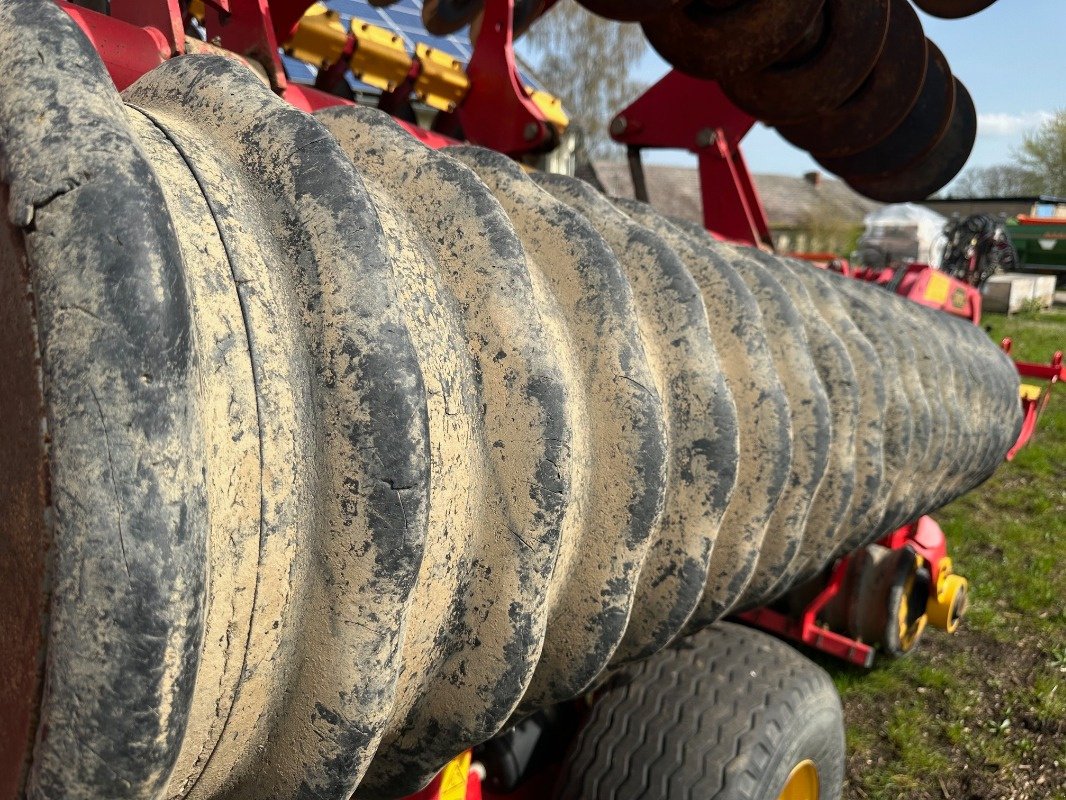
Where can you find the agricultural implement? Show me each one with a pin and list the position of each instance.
(347, 459)
(1041, 243)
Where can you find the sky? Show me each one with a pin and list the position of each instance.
(1011, 56)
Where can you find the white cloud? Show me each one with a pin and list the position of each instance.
(1010, 126)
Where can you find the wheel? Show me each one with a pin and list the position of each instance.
(728, 714)
(884, 599)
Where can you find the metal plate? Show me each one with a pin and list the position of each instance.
(952, 9)
(936, 169)
(853, 38)
(628, 10)
(881, 103)
(712, 42)
(924, 126)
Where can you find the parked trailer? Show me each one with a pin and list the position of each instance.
(1040, 242)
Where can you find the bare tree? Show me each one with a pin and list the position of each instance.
(999, 180)
(586, 60)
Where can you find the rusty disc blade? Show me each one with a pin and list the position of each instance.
(935, 170)
(628, 10)
(953, 9)
(881, 103)
(709, 40)
(924, 126)
(853, 37)
(442, 17)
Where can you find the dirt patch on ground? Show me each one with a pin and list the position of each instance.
(985, 713)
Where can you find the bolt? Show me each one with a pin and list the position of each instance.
(619, 125)
(706, 137)
(531, 131)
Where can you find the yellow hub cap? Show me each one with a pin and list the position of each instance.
(802, 783)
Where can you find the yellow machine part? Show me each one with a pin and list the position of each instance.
(946, 607)
(320, 37)
(1029, 392)
(442, 83)
(802, 783)
(551, 107)
(381, 60)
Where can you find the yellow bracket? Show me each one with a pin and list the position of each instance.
(1029, 392)
(551, 107)
(442, 82)
(320, 37)
(380, 58)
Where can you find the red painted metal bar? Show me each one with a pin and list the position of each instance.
(497, 112)
(731, 206)
(806, 629)
(162, 15)
(248, 31)
(1032, 407)
(128, 51)
(695, 115)
(285, 15)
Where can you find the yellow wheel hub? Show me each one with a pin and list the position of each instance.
(910, 625)
(802, 783)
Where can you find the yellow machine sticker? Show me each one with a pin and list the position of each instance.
(936, 291)
(454, 777)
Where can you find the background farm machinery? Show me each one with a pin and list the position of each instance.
(813, 69)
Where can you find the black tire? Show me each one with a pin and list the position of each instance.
(725, 715)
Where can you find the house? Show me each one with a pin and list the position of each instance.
(806, 214)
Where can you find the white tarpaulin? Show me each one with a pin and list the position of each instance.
(904, 232)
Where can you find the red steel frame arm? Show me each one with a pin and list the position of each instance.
(713, 129)
(497, 112)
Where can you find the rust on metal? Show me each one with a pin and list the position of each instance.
(442, 17)
(24, 535)
(924, 126)
(883, 100)
(711, 40)
(852, 40)
(628, 10)
(933, 171)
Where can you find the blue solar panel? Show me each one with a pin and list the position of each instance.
(403, 18)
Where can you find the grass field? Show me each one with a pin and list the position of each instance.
(981, 715)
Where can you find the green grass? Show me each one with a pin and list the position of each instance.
(983, 713)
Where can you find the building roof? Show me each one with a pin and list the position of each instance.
(789, 201)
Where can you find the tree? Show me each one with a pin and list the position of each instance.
(999, 180)
(1043, 155)
(586, 60)
(1039, 167)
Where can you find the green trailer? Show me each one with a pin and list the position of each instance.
(1041, 243)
